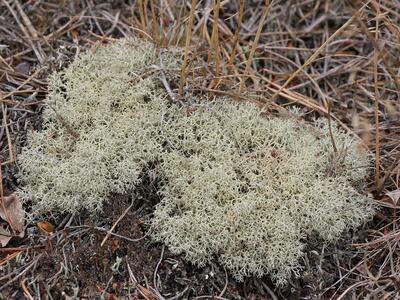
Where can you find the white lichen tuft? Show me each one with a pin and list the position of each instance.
(98, 129)
(235, 185)
(249, 190)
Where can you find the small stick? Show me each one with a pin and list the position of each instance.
(25, 289)
(158, 265)
(226, 284)
(21, 85)
(10, 151)
(65, 123)
(26, 20)
(330, 127)
(115, 224)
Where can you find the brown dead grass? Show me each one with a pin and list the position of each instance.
(338, 58)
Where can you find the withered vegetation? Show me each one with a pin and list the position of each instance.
(334, 59)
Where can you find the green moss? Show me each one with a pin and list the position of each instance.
(235, 186)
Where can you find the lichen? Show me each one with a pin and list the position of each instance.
(235, 185)
(249, 190)
(98, 131)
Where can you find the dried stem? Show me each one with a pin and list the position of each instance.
(187, 45)
(255, 43)
(237, 32)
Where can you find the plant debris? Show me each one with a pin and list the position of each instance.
(329, 57)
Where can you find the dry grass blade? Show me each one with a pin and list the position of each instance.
(187, 46)
(37, 49)
(6, 64)
(154, 23)
(215, 42)
(335, 150)
(142, 14)
(376, 103)
(319, 50)
(9, 257)
(255, 43)
(237, 32)
(336, 59)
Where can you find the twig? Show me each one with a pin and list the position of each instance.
(158, 265)
(335, 150)
(226, 284)
(25, 289)
(115, 224)
(31, 264)
(269, 291)
(21, 85)
(69, 128)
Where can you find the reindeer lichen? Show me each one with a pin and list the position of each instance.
(100, 119)
(235, 185)
(249, 190)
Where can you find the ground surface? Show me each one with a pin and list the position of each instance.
(327, 57)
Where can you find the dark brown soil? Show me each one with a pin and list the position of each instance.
(72, 263)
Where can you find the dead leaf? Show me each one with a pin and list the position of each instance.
(45, 227)
(5, 236)
(14, 212)
(114, 245)
(75, 35)
(394, 195)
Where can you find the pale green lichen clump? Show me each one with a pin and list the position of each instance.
(235, 185)
(98, 128)
(249, 190)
